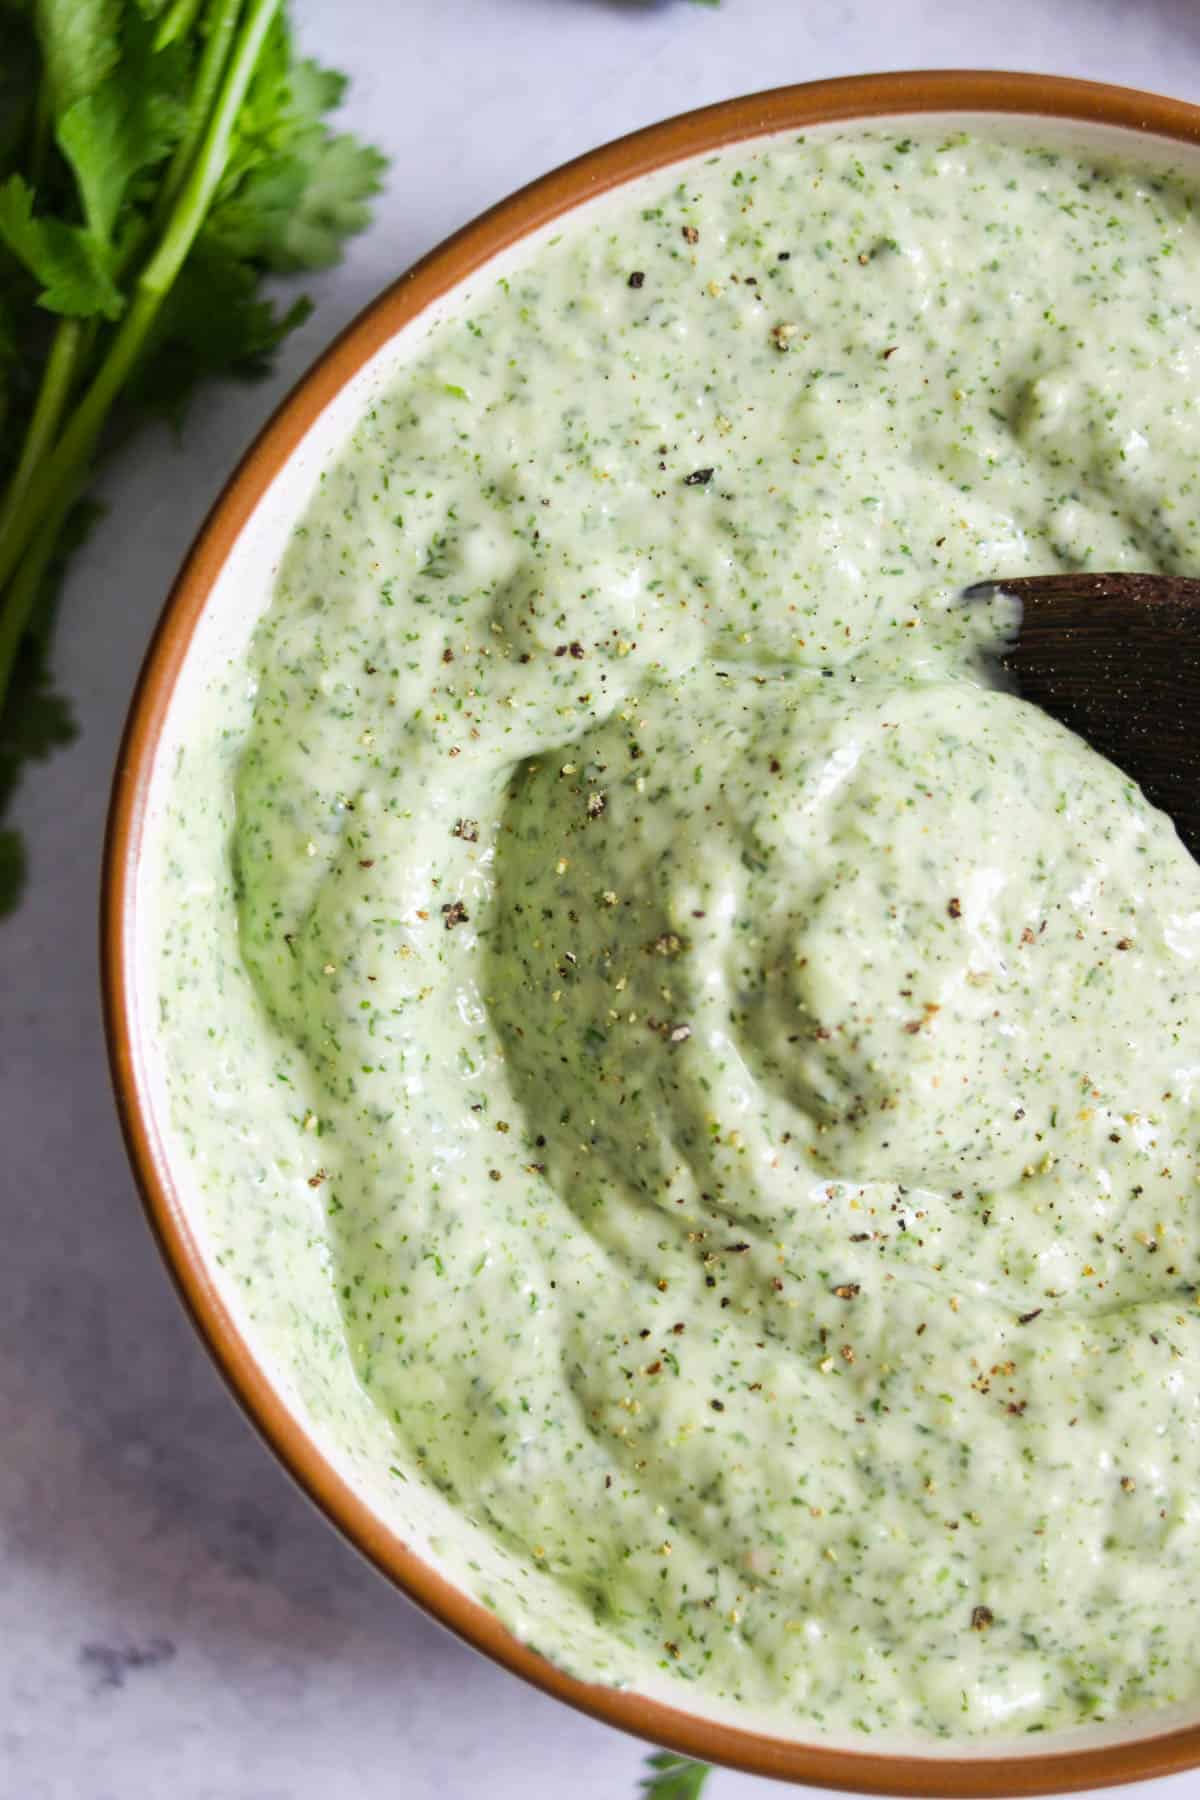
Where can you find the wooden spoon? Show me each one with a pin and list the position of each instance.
(1117, 658)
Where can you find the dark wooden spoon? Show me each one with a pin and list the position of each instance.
(1117, 658)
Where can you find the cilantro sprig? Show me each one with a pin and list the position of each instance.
(159, 160)
(673, 1777)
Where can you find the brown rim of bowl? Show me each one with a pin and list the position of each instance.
(851, 98)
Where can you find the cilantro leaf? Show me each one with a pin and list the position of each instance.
(250, 220)
(158, 160)
(36, 720)
(294, 189)
(342, 176)
(673, 1777)
(315, 90)
(81, 46)
(131, 121)
(215, 323)
(292, 212)
(68, 261)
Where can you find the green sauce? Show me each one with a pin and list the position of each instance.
(734, 1068)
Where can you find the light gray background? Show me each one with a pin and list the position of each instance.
(174, 1619)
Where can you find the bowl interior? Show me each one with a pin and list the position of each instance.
(273, 1335)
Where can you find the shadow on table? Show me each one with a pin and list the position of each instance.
(129, 1477)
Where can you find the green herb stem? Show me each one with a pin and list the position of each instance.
(58, 377)
(25, 588)
(209, 165)
(177, 22)
(220, 26)
(61, 471)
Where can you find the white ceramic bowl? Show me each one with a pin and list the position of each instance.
(220, 593)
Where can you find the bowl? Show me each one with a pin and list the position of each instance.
(206, 618)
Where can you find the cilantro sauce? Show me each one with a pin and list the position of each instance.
(698, 1085)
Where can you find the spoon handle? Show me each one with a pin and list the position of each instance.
(1116, 657)
(1117, 584)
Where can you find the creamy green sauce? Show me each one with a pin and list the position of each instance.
(738, 1067)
